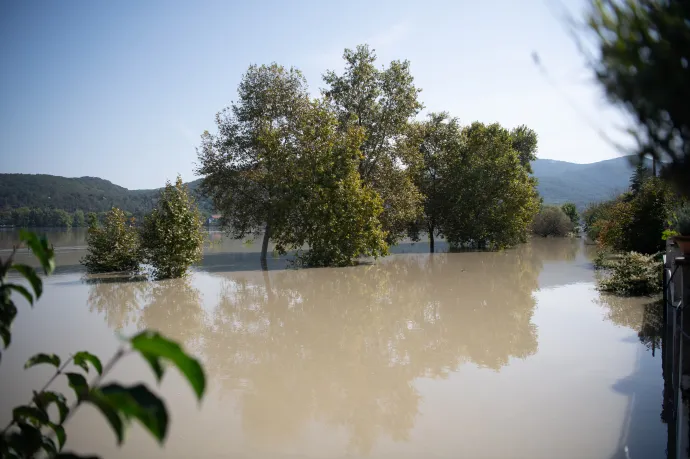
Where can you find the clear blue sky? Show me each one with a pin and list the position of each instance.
(122, 90)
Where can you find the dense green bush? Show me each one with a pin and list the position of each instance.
(113, 246)
(551, 221)
(172, 236)
(37, 429)
(634, 274)
(634, 221)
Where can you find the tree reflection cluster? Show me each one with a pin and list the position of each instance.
(342, 346)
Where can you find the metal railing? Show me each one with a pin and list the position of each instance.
(673, 354)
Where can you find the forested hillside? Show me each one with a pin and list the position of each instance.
(49, 200)
(559, 182)
(581, 184)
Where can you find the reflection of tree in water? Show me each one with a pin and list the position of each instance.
(118, 299)
(344, 346)
(173, 307)
(556, 248)
(644, 315)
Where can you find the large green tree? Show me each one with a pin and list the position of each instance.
(331, 210)
(382, 102)
(643, 63)
(245, 165)
(490, 197)
(431, 144)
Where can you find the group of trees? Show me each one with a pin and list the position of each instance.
(26, 217)
(630, 230)
(352, 172)
(637, 219)
(170, 239)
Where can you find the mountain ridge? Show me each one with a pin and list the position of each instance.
(559, 182)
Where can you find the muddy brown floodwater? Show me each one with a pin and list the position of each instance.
(451, 355)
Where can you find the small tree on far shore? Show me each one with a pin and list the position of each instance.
(113, 247)
(172, 237)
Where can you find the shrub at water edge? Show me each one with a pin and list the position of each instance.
(634, 274)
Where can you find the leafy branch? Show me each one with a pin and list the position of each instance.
(31, 428)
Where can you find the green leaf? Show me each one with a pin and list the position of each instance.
(28, 441)
(29, 413)
(22, 291)
(140, 403)
(5, 334)
(59, 433)
(79, 384)
(43, 400)
(155, 363)
(80, 359)
(38, 359)
(153, 345)
(110, 413)
(30, 274)
(41, 249)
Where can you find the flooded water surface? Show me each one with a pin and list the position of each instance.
(451, 355)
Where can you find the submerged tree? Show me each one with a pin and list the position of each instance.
(382, 102)
(113, 246)
(432, 142)
(244, 165)
(491, 198)
(172, 236)
(332, 212)
(551, 221)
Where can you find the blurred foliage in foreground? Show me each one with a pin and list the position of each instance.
(34, 426)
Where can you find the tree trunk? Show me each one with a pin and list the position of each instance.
(431, 239)
(264, 246)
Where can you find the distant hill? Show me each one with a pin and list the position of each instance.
(559, 182)
(90, 194)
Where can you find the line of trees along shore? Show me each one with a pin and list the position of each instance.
(353, 171)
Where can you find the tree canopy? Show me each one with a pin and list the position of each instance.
(382, 102)
(643, 64)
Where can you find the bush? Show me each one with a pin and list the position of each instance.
(113, 246)
(605, 259)
(172, 237)
(551, 221)
(634, 274)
